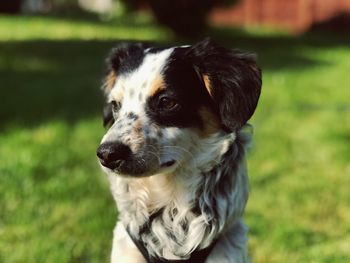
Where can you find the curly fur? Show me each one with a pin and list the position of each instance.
(178, 173)
(202, 201)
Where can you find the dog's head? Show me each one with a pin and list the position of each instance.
(162, 103)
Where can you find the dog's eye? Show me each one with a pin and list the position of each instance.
(166, 103)
(115, 105)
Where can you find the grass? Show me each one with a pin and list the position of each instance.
(55, 28)
(55, 205)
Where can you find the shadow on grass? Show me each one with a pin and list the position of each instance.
(45, 80)
(281, 52)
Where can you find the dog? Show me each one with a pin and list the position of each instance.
(175, 149)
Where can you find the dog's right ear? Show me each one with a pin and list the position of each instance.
(117, 63)
(231, 78)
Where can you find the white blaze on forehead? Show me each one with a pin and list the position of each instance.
(136, 85)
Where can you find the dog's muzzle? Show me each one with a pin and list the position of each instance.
(119, 158)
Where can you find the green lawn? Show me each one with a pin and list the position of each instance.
(55, 205)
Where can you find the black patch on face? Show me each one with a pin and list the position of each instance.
(154, 50)
(126, 57)
(185, 87)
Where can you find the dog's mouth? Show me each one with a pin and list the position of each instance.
(168, 164)
(129, 169)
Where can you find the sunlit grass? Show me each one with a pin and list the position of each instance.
(55, 28)
(55, 205)
(300, 166)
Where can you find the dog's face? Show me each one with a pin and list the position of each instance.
(162, 103)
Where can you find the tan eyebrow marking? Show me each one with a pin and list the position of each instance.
(156, 86)
(109, 81)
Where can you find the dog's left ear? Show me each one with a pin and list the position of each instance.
(115, 62)
(232, 79)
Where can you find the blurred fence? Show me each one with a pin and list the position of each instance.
(295, 15)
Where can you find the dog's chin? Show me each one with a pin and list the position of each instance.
(164, 168)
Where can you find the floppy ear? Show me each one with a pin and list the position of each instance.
(232, 79)
(117, 63)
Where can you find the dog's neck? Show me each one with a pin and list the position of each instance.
(174, 214)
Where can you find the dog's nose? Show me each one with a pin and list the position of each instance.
(113, 154)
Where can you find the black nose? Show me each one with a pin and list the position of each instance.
(113, 154)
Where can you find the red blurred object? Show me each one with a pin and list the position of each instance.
(295, 15)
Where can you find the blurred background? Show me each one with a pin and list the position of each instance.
(55, 204)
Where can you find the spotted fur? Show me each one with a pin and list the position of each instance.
(180, 183)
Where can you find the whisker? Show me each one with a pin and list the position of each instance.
(155, 156)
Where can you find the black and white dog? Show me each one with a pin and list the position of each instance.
(175, 151)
